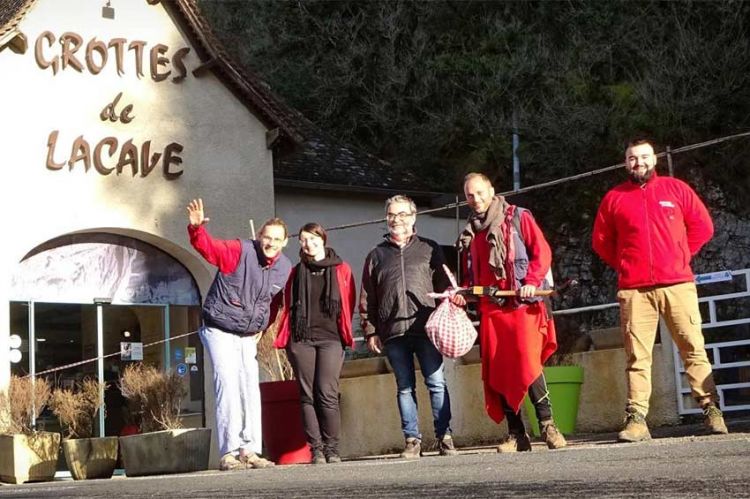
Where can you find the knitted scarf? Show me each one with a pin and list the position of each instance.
(330, 301)
(494, 219)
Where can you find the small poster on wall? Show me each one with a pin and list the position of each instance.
(190, 356)
(131, 350)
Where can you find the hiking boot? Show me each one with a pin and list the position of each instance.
(230, 462)
(446, 447)
(413, 449)
(635, 429)
(253, 460)
(551, 435)
(318, 457)
(714, 420)
(333, 458)
(515, 442)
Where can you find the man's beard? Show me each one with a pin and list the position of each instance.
(641, 179)
(400, 233)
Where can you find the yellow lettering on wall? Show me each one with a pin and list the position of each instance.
(170, 158)
(158, 59)
(71, 42)
(128, 156)
(96, 46)
(98, 165)
(39, 56)
(148, 164)
(51, 144)
(119, 45)
(80, 152)
(138, 45)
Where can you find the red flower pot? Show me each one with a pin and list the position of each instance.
(283, 433)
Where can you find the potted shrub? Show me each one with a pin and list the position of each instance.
(163, 446)
(25, 454)
(76, 408)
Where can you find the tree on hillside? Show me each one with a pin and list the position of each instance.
(434, 86)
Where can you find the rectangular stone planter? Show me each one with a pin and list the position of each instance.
(89, 458)
(164, 452)
(29, 458)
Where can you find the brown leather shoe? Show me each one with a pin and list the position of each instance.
(413, 449)
(318, 457)
(515, 442)
(253, 460)
(635, 429)
(714, 419)
(551, 435)
(446, 447)
(229, 462)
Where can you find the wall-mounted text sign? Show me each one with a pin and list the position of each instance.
(110, 154)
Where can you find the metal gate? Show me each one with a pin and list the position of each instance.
(724, 299)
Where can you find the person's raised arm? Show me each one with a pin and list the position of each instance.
(224, 254)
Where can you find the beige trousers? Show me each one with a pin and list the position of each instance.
(639, 318)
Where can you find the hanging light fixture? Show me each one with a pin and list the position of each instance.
(108, 12)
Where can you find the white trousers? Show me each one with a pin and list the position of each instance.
(238, 417)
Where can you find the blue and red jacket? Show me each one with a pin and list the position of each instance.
(247, 290)
(648, 233)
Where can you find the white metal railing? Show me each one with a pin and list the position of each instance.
(716, 349)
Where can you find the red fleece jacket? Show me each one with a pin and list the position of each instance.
(648, 233)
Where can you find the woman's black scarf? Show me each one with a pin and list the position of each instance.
(330, 301)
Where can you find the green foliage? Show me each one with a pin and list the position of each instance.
(433, 86)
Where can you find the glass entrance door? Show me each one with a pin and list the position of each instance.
(65, 343)
(55, 337)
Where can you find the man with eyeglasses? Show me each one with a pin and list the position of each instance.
(394, 307)
(242, 301)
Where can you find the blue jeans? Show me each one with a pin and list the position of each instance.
(400, 352)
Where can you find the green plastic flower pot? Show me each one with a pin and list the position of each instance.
(564, 384)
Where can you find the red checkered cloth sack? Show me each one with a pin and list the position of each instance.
(449, 328)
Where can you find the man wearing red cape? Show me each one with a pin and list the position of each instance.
(503, 246)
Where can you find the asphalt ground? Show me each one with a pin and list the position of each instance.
(678, 462)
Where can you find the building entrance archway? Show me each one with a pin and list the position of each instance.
(84, 298)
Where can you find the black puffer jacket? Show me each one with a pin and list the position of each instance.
(395, 282)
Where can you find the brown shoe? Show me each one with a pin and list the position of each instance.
(635, 429)
(318, 457)
(515, 442)
(714, 419)
(551, 435)
(253, 460)
(230, 462)
(413, 449)
(446, 447)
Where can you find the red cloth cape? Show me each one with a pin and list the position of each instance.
(515, 343)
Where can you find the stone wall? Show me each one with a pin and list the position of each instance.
(371, 424)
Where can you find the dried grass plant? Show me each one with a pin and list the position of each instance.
(24, 400)
(156, 395)
(272, 361)
(76, 409)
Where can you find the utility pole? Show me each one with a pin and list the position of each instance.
(516, 161)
